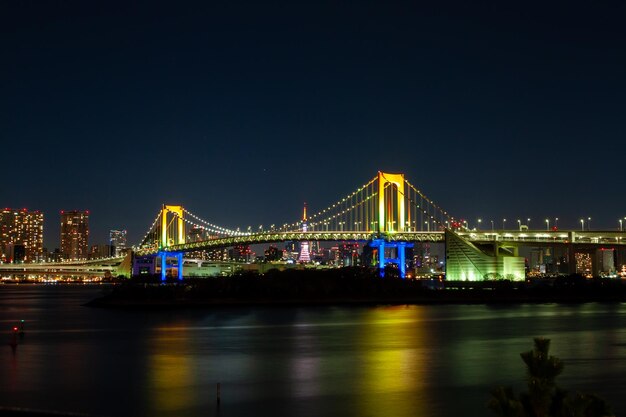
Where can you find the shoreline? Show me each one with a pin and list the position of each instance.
(350, 286)
(435, 297)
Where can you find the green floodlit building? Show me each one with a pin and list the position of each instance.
(467, 262)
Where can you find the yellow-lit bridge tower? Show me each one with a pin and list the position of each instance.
(391, 219)
(172, 233)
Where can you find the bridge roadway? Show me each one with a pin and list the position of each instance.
(538, 237)
(511, 237)
(90, 267)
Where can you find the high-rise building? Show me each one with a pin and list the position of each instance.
(21, 228)
(101, 251)
(583, 264)
(74, 234)
(117, 239)
(240, 253)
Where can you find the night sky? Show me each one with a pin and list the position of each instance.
(242, 111)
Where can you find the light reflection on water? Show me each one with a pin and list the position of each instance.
(358, 361)
(170, 366)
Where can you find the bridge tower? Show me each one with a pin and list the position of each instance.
(391, 212)
(175, 237)
(386, 212)
(179, 233)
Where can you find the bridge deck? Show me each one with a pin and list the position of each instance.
(504, 236)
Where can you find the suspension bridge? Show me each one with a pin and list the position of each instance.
(387, 212)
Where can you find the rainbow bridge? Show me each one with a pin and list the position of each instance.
(387, 212)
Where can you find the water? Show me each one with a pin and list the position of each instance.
(310, 361)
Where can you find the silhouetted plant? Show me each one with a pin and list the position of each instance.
(544, 398)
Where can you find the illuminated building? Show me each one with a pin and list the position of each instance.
(54, 256)
(240, 253)
(304, 256)
(349, 253)
(466, 262)
(117, 239)
(293, 249)
(21, 228)
(16, 252)
(583, 264)
(216, 254)
(605, 262)
(101, 251)
(273, 254)
(74, 234)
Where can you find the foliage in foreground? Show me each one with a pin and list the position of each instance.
(544, 397)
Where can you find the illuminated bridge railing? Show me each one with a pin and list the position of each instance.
(548, 236)
(270, 237)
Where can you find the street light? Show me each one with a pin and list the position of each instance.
(479, 222)
(428, 225)
(519, 224)
(582, 224)
(491, 225)
(556, 222)
(547, 224)
(341, 226)
(588, 223)
(620, 224)
(528, 223)
(503, 224)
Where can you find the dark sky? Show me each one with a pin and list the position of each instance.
(241, 111)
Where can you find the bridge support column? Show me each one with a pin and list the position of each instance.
(163, 265)
(399, 259)
(571, 253)
(179, 259)
(381, 257)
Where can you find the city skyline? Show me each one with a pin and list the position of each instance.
(218, 108)
(479, 223)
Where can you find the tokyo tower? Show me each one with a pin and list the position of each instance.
(304, 256)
